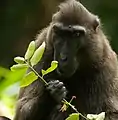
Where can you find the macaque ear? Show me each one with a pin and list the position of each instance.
(96, 23)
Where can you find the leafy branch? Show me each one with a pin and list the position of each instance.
(31, 58)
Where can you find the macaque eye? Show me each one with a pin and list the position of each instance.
(58, 30)
(55, 28)
(78, 33)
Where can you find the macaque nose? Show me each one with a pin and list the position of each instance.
(63, 56)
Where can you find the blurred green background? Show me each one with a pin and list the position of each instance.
(21, 20)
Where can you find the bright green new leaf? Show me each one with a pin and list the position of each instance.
(19, 60)
(54, 65)
(73, 116)
(43, 72)
(28, 79)
(100, 116)
(37, 54)
(30, 50)
(19, 67)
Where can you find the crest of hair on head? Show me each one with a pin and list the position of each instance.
(73, 12)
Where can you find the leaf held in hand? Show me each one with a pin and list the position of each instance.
(73, 116)
(19, 67)
(28, 79)
(54, 65)
(19, 60)
(37, 54)
(30, 50)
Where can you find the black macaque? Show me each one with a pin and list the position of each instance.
(88, 69)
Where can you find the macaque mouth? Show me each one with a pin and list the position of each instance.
(65, 72)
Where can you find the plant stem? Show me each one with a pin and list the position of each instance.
(66, 102)
(36, 72)
(38, 75)
(84, 116)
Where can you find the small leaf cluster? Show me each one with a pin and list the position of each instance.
(31, 58)
(75, 116)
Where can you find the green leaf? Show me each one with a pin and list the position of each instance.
(37, 54)
(30, 50)
(19, 60)
(100, 116)
(54, 65)
(73, 116)
(19, 67)
(28, 79)
(43, 72)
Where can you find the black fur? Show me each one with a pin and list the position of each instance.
(88, 67)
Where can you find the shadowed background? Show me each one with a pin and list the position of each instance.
(21, 20)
